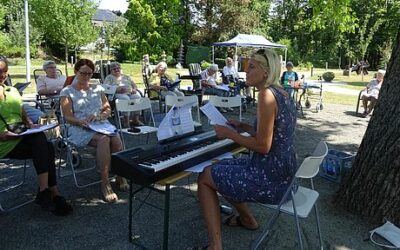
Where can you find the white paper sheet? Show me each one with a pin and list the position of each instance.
(214, 115)
(103, 128)
(223, 87)
(39, 129)
(167, 129)
(200, 167)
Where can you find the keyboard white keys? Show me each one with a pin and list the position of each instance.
(187, 155)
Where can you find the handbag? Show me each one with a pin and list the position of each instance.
(16, 128)
(53, 133)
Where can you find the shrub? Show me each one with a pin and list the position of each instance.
(305, 65)
(328, 76)
(170, 61)
(204, 65)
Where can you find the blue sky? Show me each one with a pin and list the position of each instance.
(121, 5)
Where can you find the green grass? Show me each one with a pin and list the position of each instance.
(335, 98)
(17, 72)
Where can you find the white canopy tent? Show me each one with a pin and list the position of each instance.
(245, 40)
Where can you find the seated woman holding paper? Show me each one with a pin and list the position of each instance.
(81, 105)
(163, 82)
(32, 146)
(266, 175)
(371, 92)
(209, 82)
(52, 82)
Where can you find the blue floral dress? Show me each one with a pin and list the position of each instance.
(262, 177)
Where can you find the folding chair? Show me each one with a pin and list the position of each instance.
(152, 94)
(227, 102)
(303, 200)
(124, 108)
(73, 157)
(180, 101)
(11, 187)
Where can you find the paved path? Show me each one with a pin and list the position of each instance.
(335, 87)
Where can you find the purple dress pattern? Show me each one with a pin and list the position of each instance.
(262, 177)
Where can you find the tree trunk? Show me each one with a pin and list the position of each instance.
(372, 187)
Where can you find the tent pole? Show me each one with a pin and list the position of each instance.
(212, 54)
(235, 59)
(285, 55)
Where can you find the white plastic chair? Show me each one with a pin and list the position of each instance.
(109, 91)
(227, 102)
(180, 101)
(11, 187)
(123, 107)
(304, 199)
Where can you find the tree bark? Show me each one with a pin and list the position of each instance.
(372, 187)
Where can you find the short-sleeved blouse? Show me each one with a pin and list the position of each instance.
(84, 104)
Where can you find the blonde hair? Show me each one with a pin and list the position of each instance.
(161, 64)
(270, 63)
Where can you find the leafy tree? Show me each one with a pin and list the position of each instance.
(65, 22)
(219, 19)
(155, 27)
(116, 33)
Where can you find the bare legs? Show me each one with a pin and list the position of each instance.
(105, 145)
(209, 202)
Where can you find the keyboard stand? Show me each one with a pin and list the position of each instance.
(167, 182)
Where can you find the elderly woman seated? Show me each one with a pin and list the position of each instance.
(126, 87)
(52, 82)
(371, 92)
(82, 104)
(163, 82)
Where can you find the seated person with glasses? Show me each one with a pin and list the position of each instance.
(52, 82)
(33, 146)
(163, 82)
(209, 82)
(126, 90)
(82, 104)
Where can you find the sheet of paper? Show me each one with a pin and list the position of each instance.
(167, 129)
(200, 167)
(39, 129)
(223, 87)
(103, 128)
(214, 115)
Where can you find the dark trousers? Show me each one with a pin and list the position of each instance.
(37, 148)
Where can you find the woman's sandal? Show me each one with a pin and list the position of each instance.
(235, 221)
(122, 184)
(108, 193)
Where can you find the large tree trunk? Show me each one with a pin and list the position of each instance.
(372, 187)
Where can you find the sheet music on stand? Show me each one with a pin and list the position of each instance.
(215, 116)
(177, 121)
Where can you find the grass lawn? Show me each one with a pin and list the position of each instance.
(17, 72)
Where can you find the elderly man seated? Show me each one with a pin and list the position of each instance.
(209, 82)
(371, 92)
(51, 83)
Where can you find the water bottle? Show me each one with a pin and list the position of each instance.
(176, 121)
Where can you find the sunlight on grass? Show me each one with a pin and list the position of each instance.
(335, 98)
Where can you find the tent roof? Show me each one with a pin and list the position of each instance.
(245, 40)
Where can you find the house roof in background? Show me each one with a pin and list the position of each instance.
(102, 15)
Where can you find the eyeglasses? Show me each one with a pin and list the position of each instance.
(51, 67)
(116, 68)
(85, 73)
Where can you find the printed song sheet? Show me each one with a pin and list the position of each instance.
(176, 123)
(214, 115)
(39, 129)
(103, 128)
